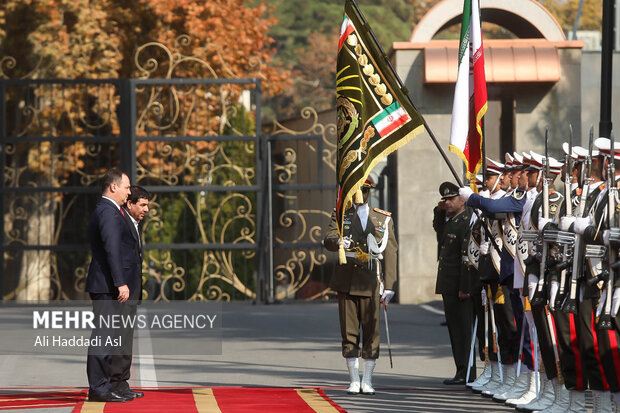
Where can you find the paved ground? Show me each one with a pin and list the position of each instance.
(290, 345)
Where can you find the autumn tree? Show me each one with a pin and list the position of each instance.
(97, 39)
(306, 42)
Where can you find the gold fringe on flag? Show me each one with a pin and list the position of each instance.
(499, 296)
(359, 198)
(342, 258)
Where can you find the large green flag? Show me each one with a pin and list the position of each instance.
(375, 117)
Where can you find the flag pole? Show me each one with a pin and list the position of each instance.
(406, 93)
(484, 158)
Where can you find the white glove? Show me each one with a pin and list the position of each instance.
(606, 237)
(553, 292)
(566, 222)
(542, 222)
(532, 283)
(346, 242)
(465, 193)
(483, 295)
(581, 224)
(484, 248)
(387, 296)
(615, 302)
(601, 303)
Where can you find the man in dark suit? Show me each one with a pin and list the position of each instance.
(135, 209)
(113, 279)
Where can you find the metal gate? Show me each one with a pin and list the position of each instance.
(236, 214)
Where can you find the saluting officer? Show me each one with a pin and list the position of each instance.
(363, 283)
(451, 222)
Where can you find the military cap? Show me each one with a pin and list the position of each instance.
(517, 161)
(604, 146)
(582, 153)
(494, 167)
(555, 166)
(509, 162)
(368, 183)
(574, 154)
(448, 190)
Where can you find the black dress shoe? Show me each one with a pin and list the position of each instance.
(109, 397)
(454, 381)
(130, 393)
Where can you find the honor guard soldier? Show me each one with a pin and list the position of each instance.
(609, 335)
(452, 223)
(589, 372)
(366, 280)
(594, 229)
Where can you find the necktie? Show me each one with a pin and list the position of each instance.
(122, 212)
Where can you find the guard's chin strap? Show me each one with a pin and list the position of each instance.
(539, 178)
(496, 183)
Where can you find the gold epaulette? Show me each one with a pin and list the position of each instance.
(389, 214)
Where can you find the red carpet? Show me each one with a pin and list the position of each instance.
(40, 400)
(187, 400)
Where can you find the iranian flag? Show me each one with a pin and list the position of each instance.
(390, 119)
(470, 93)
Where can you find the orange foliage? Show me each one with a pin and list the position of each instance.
(95, 39)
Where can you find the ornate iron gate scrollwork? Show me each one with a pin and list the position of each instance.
(197, 146)
(303, 164)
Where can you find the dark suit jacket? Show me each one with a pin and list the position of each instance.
(114, 260)
(135, 234)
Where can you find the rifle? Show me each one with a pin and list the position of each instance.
(570, 305)
(605, 322)
(567, 250)
(539, 296)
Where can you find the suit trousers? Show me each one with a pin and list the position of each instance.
(460, 325)
(120, 367)
(108, 363)
(354, 312)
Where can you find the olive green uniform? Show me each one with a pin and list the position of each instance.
(357, 284)
(453, 276)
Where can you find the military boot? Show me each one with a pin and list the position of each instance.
(482, 378)
(494, 375)
(369, 367)
(562, 398)
(528, 395)
(353, 365)
(493, 384)
(577, 401)
(544, 400)
(601, 401)
(510, 378)
(520, 386)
